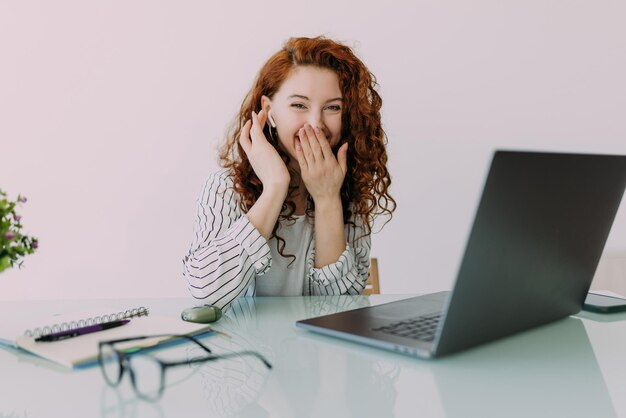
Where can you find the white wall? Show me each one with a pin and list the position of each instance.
(110, 113)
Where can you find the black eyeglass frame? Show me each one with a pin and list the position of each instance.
(124, 364)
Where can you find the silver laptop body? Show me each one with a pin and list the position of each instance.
(538, 234)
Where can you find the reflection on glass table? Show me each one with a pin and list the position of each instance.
(550, 371)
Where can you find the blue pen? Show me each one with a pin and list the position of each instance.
(57, 336)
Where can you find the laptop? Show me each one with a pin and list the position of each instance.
(539, 231)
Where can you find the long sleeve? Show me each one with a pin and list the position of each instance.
(348, 275)
(227, 252)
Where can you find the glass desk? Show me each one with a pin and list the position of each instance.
(572, 368)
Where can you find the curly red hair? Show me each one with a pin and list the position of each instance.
(366, 186)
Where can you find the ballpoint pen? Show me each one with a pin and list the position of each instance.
(70, 333)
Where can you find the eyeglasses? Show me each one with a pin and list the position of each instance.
(147, 373)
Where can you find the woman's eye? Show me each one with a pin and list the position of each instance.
(332, 108)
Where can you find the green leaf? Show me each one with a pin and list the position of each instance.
(5, 263)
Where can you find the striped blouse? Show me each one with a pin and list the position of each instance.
(228, 254)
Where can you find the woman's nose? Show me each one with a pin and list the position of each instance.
(316, 120)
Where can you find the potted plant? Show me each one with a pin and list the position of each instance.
(14, 244)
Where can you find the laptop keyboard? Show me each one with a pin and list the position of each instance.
(422, 328)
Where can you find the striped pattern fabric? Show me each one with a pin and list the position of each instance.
(228, 255)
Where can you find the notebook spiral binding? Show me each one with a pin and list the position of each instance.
(65, 326)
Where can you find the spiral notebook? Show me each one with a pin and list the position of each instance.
(70, 324)
(82, 351)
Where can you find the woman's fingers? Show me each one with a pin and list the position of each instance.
(254, 131)
(315, 149)
(300, 155)
(244, 137)
(325, 148)
(314, 143)
(258, 122)
(262, 117)
(342, 158)
(306, 146)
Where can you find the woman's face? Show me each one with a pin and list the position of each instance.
(310, 95)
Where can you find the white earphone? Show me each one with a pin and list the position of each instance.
(271, 119)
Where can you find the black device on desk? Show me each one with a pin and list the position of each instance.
(604, 304)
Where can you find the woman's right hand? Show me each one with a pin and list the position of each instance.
(265, 160)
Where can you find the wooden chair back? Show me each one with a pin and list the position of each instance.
(372, 287)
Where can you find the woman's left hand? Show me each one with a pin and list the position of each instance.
(322, 173)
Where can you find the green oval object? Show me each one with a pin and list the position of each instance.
(202, 314)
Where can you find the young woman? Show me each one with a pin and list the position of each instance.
(304, 174)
